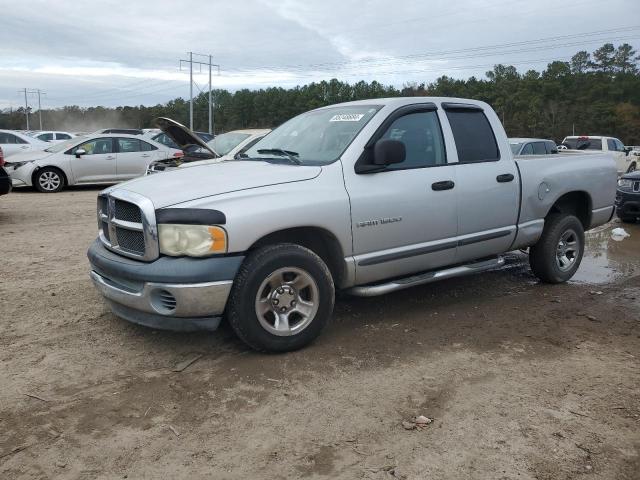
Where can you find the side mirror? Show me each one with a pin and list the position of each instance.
(80, 152)
(388, 152)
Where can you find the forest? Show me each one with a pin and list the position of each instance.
(593, 93)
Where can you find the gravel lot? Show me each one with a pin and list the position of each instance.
(523, 380)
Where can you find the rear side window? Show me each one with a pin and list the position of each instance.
(128, 145)
(539, 149)
(146, 147)
(9, 138)
(475, 141)
(62, 136)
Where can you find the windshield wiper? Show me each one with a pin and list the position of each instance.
(285, 153)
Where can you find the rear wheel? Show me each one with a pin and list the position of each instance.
(282, 298)
(558, 253)
(49, 180)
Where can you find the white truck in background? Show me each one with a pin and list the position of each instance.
(625, 163)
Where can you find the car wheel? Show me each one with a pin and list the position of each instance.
(282, 298)
(632, 168)
(627, 219)
(49, 180)
(558, 253)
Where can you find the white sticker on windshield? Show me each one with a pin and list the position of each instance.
(347, 117)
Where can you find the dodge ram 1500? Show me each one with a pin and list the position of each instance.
(368, 197)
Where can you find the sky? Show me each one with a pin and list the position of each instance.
(120, 52)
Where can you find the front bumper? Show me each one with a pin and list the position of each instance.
(627, 203)
(170, 293)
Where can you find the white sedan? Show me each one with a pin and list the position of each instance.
(13, 142)
(52, 136)
(92, 159)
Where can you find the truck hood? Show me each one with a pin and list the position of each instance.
(186, 184)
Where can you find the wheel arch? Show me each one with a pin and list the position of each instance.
(576, 203)
(317, 239)
(54, 167)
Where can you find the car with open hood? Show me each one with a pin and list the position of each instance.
(198, 151)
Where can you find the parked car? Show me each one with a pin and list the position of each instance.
(628, 197)
(52, 136)
(369, 197)
(165, 139)
(13, 142)
(128, 131)
(96, 158)
(532, 146)
(223, 147)
(5, 180)
(611, 145)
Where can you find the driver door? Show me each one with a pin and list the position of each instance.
(97, 164)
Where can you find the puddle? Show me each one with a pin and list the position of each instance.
(605, 259)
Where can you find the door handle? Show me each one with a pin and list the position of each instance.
(145, 155)
(505, 177)
(444, 185)
(110, 158)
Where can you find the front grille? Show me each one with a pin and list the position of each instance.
(130, 240)
(636, 186)
(127, 225)
(127, 211)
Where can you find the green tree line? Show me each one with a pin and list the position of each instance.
(593, 93)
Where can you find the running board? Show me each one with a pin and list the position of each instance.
(422, 278)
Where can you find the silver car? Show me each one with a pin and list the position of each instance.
(91, 159)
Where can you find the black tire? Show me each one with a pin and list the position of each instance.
(627, 219)
(258, 267)
(632, 167)
(49, 180)
(543, 256)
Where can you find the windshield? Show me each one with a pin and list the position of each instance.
(583, 143)
(59, 147)
(515, 147)
(318, 137)
(226, 142)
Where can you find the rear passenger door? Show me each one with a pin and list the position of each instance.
(133, 157)
(487, 183)
(11, 144)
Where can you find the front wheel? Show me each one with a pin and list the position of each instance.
(632, 167)
(558, 253)
(49, 180)
(281, 299)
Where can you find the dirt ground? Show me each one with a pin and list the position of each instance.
(523, 380)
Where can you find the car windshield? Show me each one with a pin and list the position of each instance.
(515, 147)
(226, 142)
(61, 146)
(318, 137)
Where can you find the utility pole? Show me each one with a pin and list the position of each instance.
(26, 106)
(191, 62)
(39, 109)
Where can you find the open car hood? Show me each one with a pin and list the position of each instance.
(184, 138)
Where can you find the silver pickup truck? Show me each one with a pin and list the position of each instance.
(367, 197)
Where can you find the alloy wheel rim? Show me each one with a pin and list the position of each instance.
(49, 181)
(287, 301)
(567, 250)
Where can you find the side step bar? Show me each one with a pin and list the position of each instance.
(428, 277)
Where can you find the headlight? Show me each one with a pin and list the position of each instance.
(625, 183)
(17, 165)
(191, 240)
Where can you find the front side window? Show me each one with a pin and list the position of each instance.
(128, 145)
(611, 144)
(539, 148)
(618, 145)
(95, 147)
(45, 137)
(515, 148)
(420, 132)
(164, 139)
(528, 149)
(475, 141)
(318, 137)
